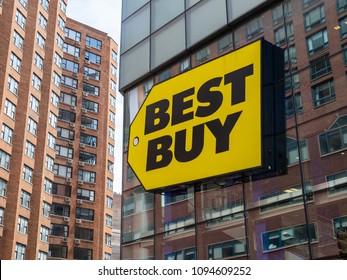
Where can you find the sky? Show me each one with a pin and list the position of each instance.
(104, 15)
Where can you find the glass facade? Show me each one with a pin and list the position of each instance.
(292, 216)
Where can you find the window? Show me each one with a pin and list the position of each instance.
(109, 202)
(32, 126)
(113, 85)
(111, 132)
(110, 166)
(47, 186)
(290, 102)
(61, 190)
(2, 212)
(84, 214)
(341, 5)
(107, 239)
(59, 230)
(3, 187)
(58, 60)
(317, 42)
(59, 41)
(42, 21)
(112, 101)
(112, 116)
(85, 194)
(286, 237)
(67, 99)
(89, 122)
(69, 82)
(15, 62)
(20, 19)
(277, 12)
(86, 176)
(24, 3)
(65, 133)
(28, 174)
(51, 140)
(40, 40)
(254, 28)
(89, 140)
(36, 82)
(56, 79)
(202, 55)
(323, 93)
(94, 43)
(292, 151)
(64, 151)
(52, 119)
(44, 232)
(38, 61)
(314, 17)
(87, 158)
(42, 256)
(94, 58)
(10, 109)
(110, 149)
(72, 34)
(70, 49)
(90, 105)
(49, 162)
(306, 3)
(109, 184)
(320, 67)
(60, 210)
(184, 66)
(67, 116)
(113, 70)
(45, 4)
(335, 138)
(291, 82)
(61, 23)
(281, 33)
(12, 85)
(6, 133)
(187, 254)
(340, 224)
(4, 160)
(114, 56)
(82, 254)
(18, 40)
(91, 89)
(70, 65)
(62, 170)
(227, 249)
(34, 103)
(19, 253)
(224, 43)
(107, 256)
(57, 251)
(55, 99)
(25, 199)
(109, 220)
(343, 29)
(29, 149)
(46, 209)
(91, 73)
(84, 233)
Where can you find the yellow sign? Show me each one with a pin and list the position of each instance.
(203, 123)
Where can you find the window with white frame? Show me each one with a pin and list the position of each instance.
(67, 99)
(3, 187)
(46, 209)
(107, 256)
(93, 58)
(112, 116)
(65, 133)
(91, 73)
(113, 85)
(58, 60)
(70, 49)
(4, 160)
(62, 6)
(10, 109)
(317, 41)
(112, 101)
(110, 149)
(314, 17)
(49, 163)
(85, 194)
(40, 40)
(25, 199)
(107, 239)
(93, 42)
(32, 126)
(89, 140)
(109, 202)
(45, 4)
(2, 212)
(91, 89)
(114, 55)
(42, 256)
(89, 122)
(72, 34)
(22, 224)
(42, 21)
(70, 65)
(6, 133)
(28, 174)
(53, 119)
(34, 103)
(64, 151)
(36, 82)
(12, 85)
(56, 79)
(61, 23)
(51, 140)
(337, 182)
(86, 176)
(38, 61)
(20, 19)
(254, 27)
(111, 132)
(47, 186)
(59, 41)
(110, 166)
(15, 62)
(44, 232)
(113, 70)
(19, 253)
(29, 149)
(109, 184)
(18, 40)
(62, 170)
(69, 82)
(109, 220)
(55, 99)
(90, 105)
(24, 3)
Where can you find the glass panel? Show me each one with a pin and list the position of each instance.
(163, 11)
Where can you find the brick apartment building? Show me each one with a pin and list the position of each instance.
(57, 99)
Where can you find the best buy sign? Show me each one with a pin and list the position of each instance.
(207, 122)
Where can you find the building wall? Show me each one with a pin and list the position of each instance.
(294, 216)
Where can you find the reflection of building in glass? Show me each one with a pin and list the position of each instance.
(294, 216)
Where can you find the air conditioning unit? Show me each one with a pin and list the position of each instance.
(79, 201)
(80, 182)
(78, 43)
(74, 90)
(75, 74)
(87, 47)
(84, 110)
(70, 160)
(85, 93)
(78, 221)
(73, 108)
(65, 239)
(82, 145)
(66, 219)
(70, 142)
(72, 124)
(81, 163)
(83, 127)
(77, 58)
(69, 180)
(77, 241)
(86, 77)
(67, 199)
(87, 61)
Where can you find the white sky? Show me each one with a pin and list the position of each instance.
(104, 15)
